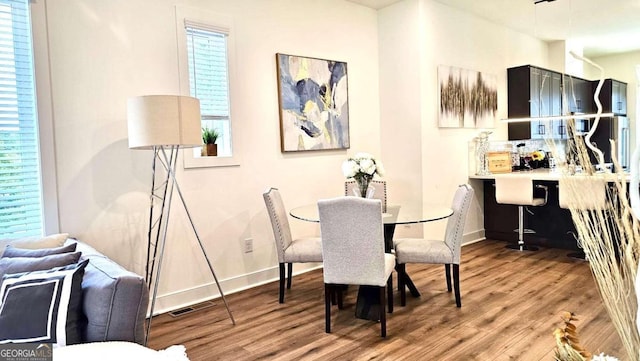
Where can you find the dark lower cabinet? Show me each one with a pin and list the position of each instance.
(553, 225)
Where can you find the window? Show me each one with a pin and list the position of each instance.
(206, 65)
(209, 81)
(21, 205)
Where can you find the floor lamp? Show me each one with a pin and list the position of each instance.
(164, 124)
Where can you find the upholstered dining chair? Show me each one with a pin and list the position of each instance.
(290, 250)
(447, 251)
(379, 186)
(353, 251)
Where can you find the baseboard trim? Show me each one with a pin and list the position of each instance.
(209, 291)
(473, 237)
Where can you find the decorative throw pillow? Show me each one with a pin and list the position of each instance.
(53, 240)
(26, 264)
(12, 251)
(43, 306)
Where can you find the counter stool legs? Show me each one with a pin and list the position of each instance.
(521, 231)
(579, 254)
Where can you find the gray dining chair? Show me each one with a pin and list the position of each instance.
(380, 192)
(290, 250)
(353, 251)
(447, 251)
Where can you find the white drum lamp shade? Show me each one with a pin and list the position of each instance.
(164, 120)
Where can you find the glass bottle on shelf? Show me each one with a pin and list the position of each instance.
(482, 147)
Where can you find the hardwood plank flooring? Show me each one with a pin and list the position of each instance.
(511, 303)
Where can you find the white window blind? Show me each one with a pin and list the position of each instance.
(209, 79)
(20, 187)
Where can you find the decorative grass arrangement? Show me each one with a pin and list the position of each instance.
(568, 347)
(609, 233)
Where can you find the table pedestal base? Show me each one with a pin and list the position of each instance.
(368, 303)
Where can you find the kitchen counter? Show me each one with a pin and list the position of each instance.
(536, 174)
(545, 174)
(552, 223)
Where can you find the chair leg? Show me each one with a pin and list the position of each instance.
(456, 283)
(401, 283)
(289, 276)
(383, 315)
(447, 274)
(339, 292)
(281, 300)
(389, 294)
(328, 291)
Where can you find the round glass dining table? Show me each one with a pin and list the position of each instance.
(394, 214)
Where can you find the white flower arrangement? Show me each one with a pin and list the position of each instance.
(362, 165)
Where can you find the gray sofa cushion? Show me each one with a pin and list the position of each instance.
(12, 251)
(50, 241)
(27, 264)
(115, 300)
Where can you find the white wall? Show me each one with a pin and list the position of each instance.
(415, 37)
(102, 52)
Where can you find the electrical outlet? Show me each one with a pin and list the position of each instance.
(248, 245)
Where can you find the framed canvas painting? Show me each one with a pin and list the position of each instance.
(468, 98)
(313, 102)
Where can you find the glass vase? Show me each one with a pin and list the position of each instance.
(363, 185)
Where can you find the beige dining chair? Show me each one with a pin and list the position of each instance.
(353, 251)
(379, 186)
(447, 251)
(290, 250)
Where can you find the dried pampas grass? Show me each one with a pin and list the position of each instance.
(609, 234)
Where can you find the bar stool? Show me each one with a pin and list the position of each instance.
(582, 193)
(518, 190)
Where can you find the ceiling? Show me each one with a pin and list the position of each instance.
(601, 26)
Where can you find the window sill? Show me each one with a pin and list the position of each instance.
(189, 161)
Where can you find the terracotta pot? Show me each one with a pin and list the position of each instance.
(212, 149)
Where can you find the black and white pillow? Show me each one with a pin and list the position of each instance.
(43, 306)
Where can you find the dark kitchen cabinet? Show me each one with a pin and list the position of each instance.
(534, 92)
(579, 94)
(613, 96)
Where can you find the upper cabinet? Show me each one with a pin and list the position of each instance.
(613, 96)
(578, 94)
(534, 92)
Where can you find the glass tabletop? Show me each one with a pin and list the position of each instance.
(395, 214)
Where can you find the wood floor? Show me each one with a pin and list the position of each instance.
(510, 306)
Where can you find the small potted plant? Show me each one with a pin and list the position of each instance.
(209, 137)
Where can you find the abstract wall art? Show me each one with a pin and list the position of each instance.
(314, 104)
(468, 99)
